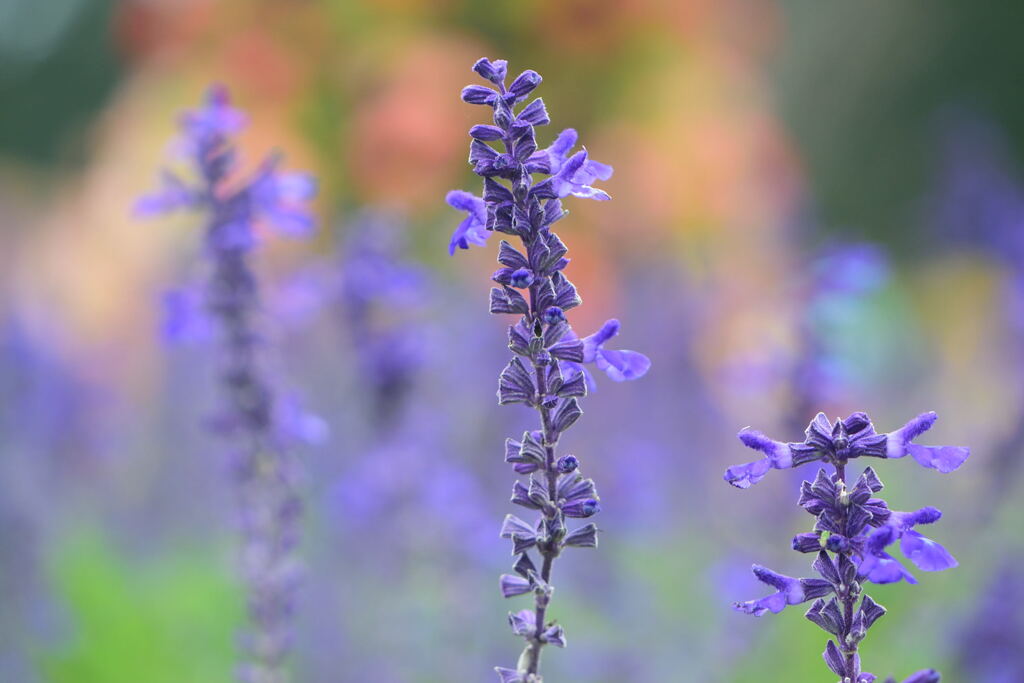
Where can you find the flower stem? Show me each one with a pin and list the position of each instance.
(848, 594)
(549, 549)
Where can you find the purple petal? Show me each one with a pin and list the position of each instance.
(778, 453)
(774, 579)
(173, 194)
(945, 459)
(565, 141)
(790, 592)
(587, 192)
(184, 318)
(745, 476)
(572, 165)
(296, 186)
(473, 229)
(291, 221)
(593, 342)
(216, 117)
(464, 201)
(622, 365)
(774, 603)
(883, 568)
(926, 554)
(926, 515)
(599, 171)
(897, 441)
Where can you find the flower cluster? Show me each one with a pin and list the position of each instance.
(548, 370)
(264, 472)
(852, 532)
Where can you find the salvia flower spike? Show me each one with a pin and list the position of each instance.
(548, 371)
(259, 428)
(853, 530)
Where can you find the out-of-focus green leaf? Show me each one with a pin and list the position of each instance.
(169, 619)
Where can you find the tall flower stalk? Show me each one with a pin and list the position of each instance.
(255, 424)
(547, 372)
(852, 531)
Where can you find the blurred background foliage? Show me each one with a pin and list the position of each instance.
(749, 138)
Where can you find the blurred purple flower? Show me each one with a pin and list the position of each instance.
(259, 425)
(270, 196)
(618, 365)
(841, 280)
(987, 643)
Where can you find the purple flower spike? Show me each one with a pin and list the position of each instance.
(547, 372)
(945, 459)
(852, 531)
(259, 423)
(473, 229)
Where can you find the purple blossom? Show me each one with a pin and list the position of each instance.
(945, 459)
(572, 175)
(546, 371)
(927, 555)
(473, 229)
(841, 442)
(852, 531)
(259, 425)
(618, 365)
(789, 591)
